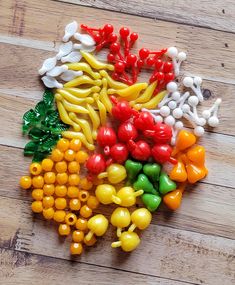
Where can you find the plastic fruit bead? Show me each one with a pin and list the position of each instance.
(59, 216)
(184, 140)
(178, 172)
(37, 194)
(144, 121)
(38, 181)
(143, 183)
(63, 144)
(162, 154)
(127, 196)
(126, 132)
(97, 225)
(133, 168)
(25, 182)
(70, 219)
(91, 242)
(127, 241)
(47, 164)
(85, 211)
(74, 179)
(57, 155)
(92, 202)
(173, 199)
(37, 206)
(120, 218)
(166, 184)
(106, 137)
(152, 170)
(76, 248)
(61, 190)
(86, 184)
(35, 168)
(73, 167)
(151, 201)
(161, 133)
(81, 156)
(83, 195)
(60, 203)
(75, 204)
(115, 173)
(49, 177)
(73, 192)
(81, 224)
(78, 236)
(62, 178)
(106, 194)
(141, 218)
(48, 213)
(75, 144)
(64, 229)
(48, 189)
(69, 155)
(61, 166)
(119, 153)
(48, 202)
(96, 164)
(121, 109)
(140, 150)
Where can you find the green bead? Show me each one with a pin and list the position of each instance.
(143, 183)
(151, 201)
(133, 168)
(152, 170)
(166, 184)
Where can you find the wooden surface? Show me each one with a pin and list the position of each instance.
(194, 245)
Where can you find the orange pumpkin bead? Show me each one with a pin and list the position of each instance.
(81, 224)
(74, 204)
(49, 177)
(25, 182)
(57, 155)
(70, 219)
(35, 168)
(60, 203)
(61, 166)
(48, 189)
(37, 194)
(63, 144)
(64, 229)
(37, 206)
(69, 155)
(81, 156)
(61, 190)
(48, 202)
(78, 236)
(92, 202)
(75, 144)
(59, 216)
(76, 248)
(48, 213)
(62, 178)
(73, 167)
(47, 164)
(38, 181)
(85, 211)
(73, 192)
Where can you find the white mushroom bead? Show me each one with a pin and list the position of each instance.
(197, 80)
(172, 105)
(188, 81)
(171, 87)
(175, 96)
(193, 101)
(206, 114)
(213, 121)
(177, 113)
(169, 120)
(172, 52)
(199, 131)
(165, 111)
(182, 56)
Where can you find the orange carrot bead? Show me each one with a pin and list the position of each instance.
(59, 216)
(74, 179)
(48, 202)
(73, 167)
(48, 189)
(63, 144)
(47, 164)
(38, 181)
(61, 166)
(78, 236)
(25, 182)
(86, 184)
(69, 155)
(48, 213)
(91, 242)
(62, 178)
(92, 202)
(83, 195)
(73, 192)
(70, 219)
(85, 211)
(81, 224)
(61, 190)
(64, 229)
(57, 155)
(74, 204)
(35, 168)
(37, 194)
(81, 156)
(37, 206)
(60, 203)
(75, 144)
(76, 248)
(49, 177)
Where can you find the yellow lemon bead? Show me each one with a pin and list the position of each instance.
(128, 241)
(64, 229)
(73, 167)
(97, 225)
(38, 181)
(59, 216)
(75, 204)
(106, 194)
(49, 177)
(63, 144)
(90, 242)
(73, 192)
(74, 179)
(61, 166)
(81, 224)
(35, 168)
(61, 190)
(81, 156)
(48, 213)
(37, 194)
(37, 206)
(25, 182)
(78, 236)
(57, 155)
(86, 184)
(69, 155)
(128, 195)
(47, 164)
(141, 218)
(60, 203)
(48, 189)
(83, 195)
(92, 202)
(62, 178)
(120, 218)
(85, 211)
(70, 219)
(115, 173)
(48, 202)
(76, 248)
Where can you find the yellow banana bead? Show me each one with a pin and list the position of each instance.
(78, 135)
(153, 102)
(146, 96)
(94, 63)
(72, 99)
(82, 93)
(111, 82)
(84, 79)
(102, 109)
(133, 89)
(82, 66)
(94, 119)
(120, 218)
(71, 107)
(104, 98)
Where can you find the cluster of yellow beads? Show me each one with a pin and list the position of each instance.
(59, 193)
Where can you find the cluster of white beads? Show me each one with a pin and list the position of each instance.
(177, 58)
(69, 52)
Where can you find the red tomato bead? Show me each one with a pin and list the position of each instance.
(96, 164)
(119, 153)
(126, 132)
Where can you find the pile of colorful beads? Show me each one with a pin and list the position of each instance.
(100, 137)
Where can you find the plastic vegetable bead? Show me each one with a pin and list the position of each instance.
(81, 156)
(37, 206)
(75, 144)
(75, 204)
(127, 241)
(121, 109)
(92, 202)
(35, 168)
(173, 199)
(48, 202)
(48, 189)
(63, 144)
(57, 155)
(64, 229)
(37, 194)
(184, 140)
(151, 201)
(49, 177)
(97, 225)
(106, 137)
(69, 155)
(86, 184)
(73, 167)
(106, 194)
(76, 248)
(78, 236)
(83, 195)
(60, 203)
(115, 173)
(161, 133)
(152, 170)
(143, 183)
(162, 153)
(127, 196)
(144, 121)
(141, 218)
(178, 172)
(119, 153)
(38, 181)
(120, 218)
(140, 150)
(96, 164)
(133, 168)
(74, 179)
(59, 216)
(70, 219)
(62, 178)
(72, 192)
(61, 166)
(25, 182)
(85, 211)
(81, 224)
(47, 164)
(166, 184)
(126, 132)
(61, 190)
(48, 213)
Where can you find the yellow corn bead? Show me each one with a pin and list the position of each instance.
(84, 92)
(60, 203)
(38, 181)
(61, 190)
(47, 164)
(48, 189)
(37, 194)
(76, 248)
(35, 168)
(102, 109)
(59, 216)
(49, 177)
(64, 229)
(104, 98)
(70, 219)
(94, 119)
(84, 79)
(72, 192)
(25, 182)
(48, 213)
(65, 95)
(48, 202)
(112, 83)
(83, 66)
(37, 206)
(74, 204)
(65, 117)
(94, 63)
(61, 166)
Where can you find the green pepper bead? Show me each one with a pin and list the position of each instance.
(166, 184)
(143, 183)
(151, 201)
(152, 170)
(133, 168)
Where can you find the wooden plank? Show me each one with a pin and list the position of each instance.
(164, 252)
(209, 51)
(184, 12)
(21, 268)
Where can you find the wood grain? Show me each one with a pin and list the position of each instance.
(201, 13)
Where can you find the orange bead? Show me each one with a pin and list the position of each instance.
(73, 192)
(81, 156)
(64, 229)
(61, 166)
(74, 179)
(75, 204)
(59, 216)
(69, 155)
(78, 236)
(173, 199)
(62, 178)
(76, 248)
(85, 211)
(48, 213)
(49, 177)
(47, 164)
(25, 182)
(184, 140)
(63, 144)
(81, 224)
(48, 202)
(60, 203)
(73, 167)
(86, 184)
(70, 219)
(38, 181)
(75, 144)
(178, 172)
(48, 189)
(83, 195)
(61, 190)
(37, 194)
(91, 242)
(57, 155)
(35, 168)
(37, 206)
(92, 202)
